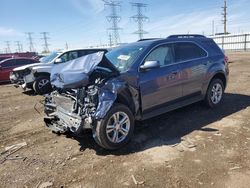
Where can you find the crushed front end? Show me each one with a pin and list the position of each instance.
(83, 93)
(71, 110)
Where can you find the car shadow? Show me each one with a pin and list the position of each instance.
(169, 128)
(29, 92)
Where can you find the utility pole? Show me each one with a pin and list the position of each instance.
(110, 40)
(213, 28)
(7, 46)
(224, 14)
(140, 18)
(19, 46)
(30, 39)
(114, 19)
(45, 39)
(66, 46)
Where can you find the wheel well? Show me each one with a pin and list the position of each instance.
(123, 100)
(37, 74)
(220, 76)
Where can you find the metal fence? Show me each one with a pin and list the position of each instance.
(233, 42)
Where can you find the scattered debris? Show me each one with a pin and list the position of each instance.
(217, 134)
(137, 182)
(45, 184)
(12, 149)
(235, 168)
(15, 146)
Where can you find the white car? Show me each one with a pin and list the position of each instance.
(37, 76)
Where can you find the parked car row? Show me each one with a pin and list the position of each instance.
(107, 91)
(37, 76)
(7, 66)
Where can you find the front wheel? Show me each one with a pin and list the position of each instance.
(215, 93)
(115, 129)
(42, 85)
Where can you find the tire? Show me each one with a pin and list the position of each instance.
(215, 93)
(42, 85)
(105, 135)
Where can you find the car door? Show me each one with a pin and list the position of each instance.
(160, 86)
(6, 68)
(193, 63)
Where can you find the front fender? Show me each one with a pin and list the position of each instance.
(110, 92)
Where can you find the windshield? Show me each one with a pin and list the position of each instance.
(123, 57)
(49, 58)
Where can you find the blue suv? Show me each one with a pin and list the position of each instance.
(135, 82)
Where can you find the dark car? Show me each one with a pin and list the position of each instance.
(135, 82)
(7, 65)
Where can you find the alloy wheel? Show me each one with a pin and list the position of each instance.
(118, 127)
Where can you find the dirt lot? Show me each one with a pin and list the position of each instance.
(190, 147)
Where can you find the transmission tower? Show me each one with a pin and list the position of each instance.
(30, 39)
(114, 19)
(140, 18)
(224, 14)
(19, 46)
(45, 39)
(7, 47)
(66, 46)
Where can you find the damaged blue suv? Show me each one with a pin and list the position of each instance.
(108, 92)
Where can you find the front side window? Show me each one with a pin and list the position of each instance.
(185, 51)
(68, 56)
(163, 54)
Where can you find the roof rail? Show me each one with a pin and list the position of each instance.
(186, 36)
(148, 39)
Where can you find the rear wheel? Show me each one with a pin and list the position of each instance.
(42, 85)
(215, 93)
(115, 129)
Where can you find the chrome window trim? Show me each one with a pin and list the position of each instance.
(180, 62)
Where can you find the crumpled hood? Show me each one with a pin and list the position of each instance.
(28, 66)
(75, 71)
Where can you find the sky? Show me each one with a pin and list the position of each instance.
(83, 23)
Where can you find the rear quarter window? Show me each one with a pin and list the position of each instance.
(185, 51)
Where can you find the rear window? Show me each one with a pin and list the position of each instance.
(185, 51)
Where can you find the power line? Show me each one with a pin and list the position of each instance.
(7, 49)
(140, 18)
(19, 46)
(114, 19)
(45, 39)
(30, 39)
(224, 14)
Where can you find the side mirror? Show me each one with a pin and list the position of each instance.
(58, 60)
(150, 65)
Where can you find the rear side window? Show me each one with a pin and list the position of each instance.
(185, 51)
(68, 56)
(9, 63)
(24, 62)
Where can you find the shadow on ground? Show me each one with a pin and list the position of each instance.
(29, 92)
(169, 128)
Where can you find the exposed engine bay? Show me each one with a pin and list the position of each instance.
(81, 96)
